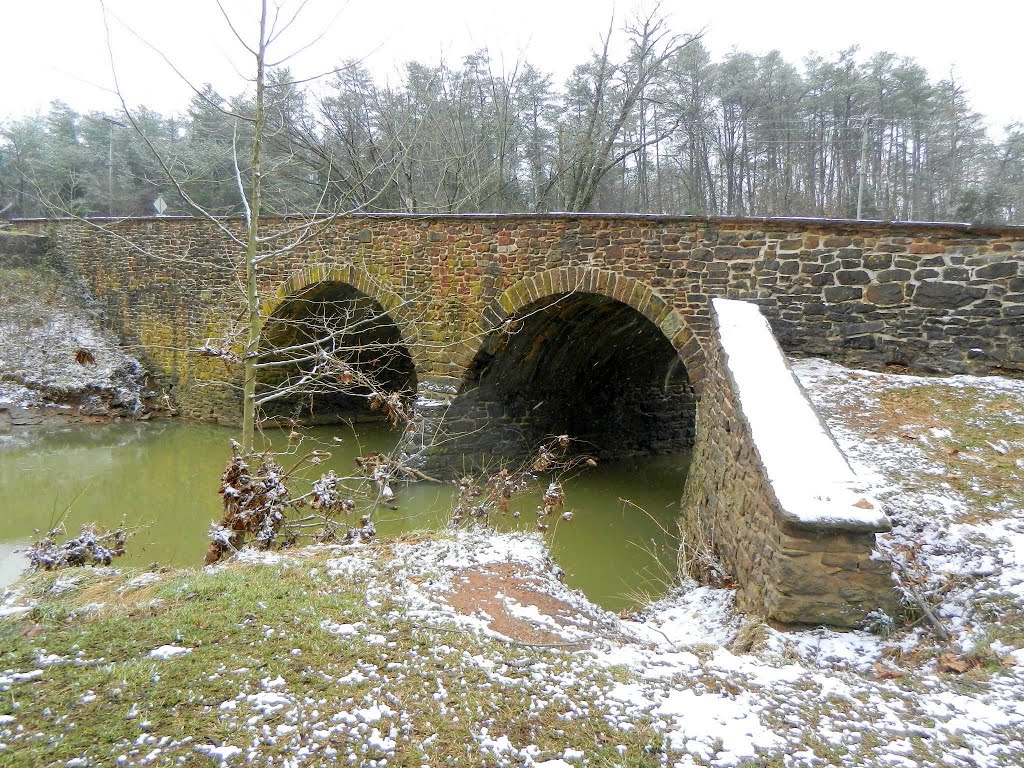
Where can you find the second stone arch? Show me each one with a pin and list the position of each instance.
(581, 352)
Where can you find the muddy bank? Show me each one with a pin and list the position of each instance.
(57, 363)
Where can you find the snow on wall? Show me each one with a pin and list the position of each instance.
(813, 482)
(769, 499)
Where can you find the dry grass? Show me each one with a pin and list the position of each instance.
(975, 435)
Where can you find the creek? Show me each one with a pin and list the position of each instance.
(161, 478)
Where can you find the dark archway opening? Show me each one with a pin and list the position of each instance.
(334, 348)
(588, 366)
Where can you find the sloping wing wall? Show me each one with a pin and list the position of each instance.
(769, 498)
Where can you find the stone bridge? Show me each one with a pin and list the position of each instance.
(595, 325)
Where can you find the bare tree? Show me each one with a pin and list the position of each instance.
(313, 348)
(605, 97)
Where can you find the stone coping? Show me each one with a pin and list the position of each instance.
(814, 485)
(962, 228)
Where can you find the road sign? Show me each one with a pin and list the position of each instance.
(159, 205)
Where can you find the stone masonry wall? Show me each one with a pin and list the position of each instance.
(21, 250)
(930, 297)
(792, 570)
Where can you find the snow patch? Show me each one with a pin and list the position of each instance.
(168, 652)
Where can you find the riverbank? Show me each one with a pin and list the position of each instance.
(459, 650)
(447, 649)
(57, 364)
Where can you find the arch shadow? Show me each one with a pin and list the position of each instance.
(588, 353)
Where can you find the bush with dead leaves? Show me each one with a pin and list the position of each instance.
(261, 510)
(92, 546)
(480, 498)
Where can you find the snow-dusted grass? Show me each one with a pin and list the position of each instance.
(355, 656)
(312, 659)
(946, 456)
(358, 655)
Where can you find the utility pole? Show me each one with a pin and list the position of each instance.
(111, 122)
(863, 163)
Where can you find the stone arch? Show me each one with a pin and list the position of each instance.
(584, 352)
(375, 332)
(628, 290)
(309, 277)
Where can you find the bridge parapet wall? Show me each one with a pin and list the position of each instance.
(769, 497)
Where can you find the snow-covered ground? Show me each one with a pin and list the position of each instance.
(946, 457)
(717, 688)
(720, 688)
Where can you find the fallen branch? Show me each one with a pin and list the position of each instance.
(419, 474)
(937, 625)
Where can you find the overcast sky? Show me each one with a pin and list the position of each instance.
(56, 49)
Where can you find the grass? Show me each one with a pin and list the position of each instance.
(247, 624)
(975, 419)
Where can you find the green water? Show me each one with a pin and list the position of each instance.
(162, 479)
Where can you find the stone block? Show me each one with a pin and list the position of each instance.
(877, 260)
(853, 277)
(843, 560)
(885, 294)
(997, 270)
(935, 293)
(801, 609)
(841, 293)
(956, 273)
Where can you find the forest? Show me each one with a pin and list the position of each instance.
(664, 128)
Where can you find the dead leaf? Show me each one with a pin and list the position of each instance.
(887, 671)
(950, 662)
(864, 504)
(32, 630)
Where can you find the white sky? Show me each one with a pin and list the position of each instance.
(52, 49)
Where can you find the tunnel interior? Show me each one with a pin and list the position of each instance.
(588, 366)
(333, 347)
